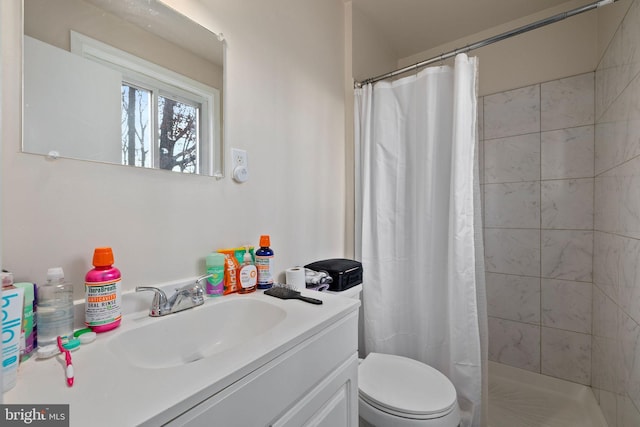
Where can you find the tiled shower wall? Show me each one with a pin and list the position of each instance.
(562, 226)
(616, 265)
(538, 184)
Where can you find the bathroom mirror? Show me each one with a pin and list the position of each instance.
(126, 82)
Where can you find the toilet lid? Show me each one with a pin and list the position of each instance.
(404, 386)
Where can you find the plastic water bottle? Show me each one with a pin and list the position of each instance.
(55, 308)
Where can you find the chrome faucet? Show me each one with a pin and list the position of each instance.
(188, 296)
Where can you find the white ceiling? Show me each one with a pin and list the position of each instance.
(413, 26)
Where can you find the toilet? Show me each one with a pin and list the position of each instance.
(398, 391)
(395, 391)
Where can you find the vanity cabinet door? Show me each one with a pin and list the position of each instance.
(332, 403)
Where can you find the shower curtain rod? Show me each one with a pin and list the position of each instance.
(490, 40)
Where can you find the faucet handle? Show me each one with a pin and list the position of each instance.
(159, 300)
(195, 290)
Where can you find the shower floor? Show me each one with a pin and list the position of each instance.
(519, 398)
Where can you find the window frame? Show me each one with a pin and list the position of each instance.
(140, 72)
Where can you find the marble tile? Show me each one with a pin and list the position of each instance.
(567, 254)
(512, 205)
(480, 161)
(605, 315)
(566, 355)
(628, 414)
(630, 352)
(620, 62)
(610, 80)
(513, 297)
(481, 118)
(567, 153)
(512, 251)
(512, 159)
(617, 200)
(606, 258)
(606, 364)
(566, 305)
(567, 204)
(514, 112)
(630, 36)
(603, 212)
(482, 207)
(608, 405)
(514, 343)
(567, 102)
(609, 145)
(616, 133)
(621, 56)
(629, 270)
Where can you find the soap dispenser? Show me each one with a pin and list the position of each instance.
(248, 274)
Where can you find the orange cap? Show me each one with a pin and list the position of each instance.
(102, 257)
(265, 241)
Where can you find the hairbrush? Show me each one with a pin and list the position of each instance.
(281, 291)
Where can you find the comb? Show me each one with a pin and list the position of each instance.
(284, 292)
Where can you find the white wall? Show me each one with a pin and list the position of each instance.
(558, 50)
(372, 53)
(285, 105)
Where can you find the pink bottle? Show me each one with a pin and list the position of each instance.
(103, 297)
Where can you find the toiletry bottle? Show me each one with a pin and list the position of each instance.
(55, 308)
(28, 342)
(264, 263)
(215, 267)
(103, 300)
(11, 315)
(248, 275)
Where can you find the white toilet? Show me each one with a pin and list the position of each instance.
(395, 391)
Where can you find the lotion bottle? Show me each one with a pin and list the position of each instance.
(248, 274)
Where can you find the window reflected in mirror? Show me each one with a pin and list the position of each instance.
(120, 83)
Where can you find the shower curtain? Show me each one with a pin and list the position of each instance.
(418, 225)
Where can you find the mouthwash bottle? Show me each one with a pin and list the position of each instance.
(264, 263)
(103, 305)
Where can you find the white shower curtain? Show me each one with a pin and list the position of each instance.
(418, 227)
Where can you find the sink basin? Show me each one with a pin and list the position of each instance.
(191, 335)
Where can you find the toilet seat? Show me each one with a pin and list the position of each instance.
(405, 387)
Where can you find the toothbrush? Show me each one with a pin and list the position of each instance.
(67, 358)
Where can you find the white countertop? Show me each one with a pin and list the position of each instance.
(110, 391)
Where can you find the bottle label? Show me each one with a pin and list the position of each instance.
(248, 275)
(103, 302)
(215, 283)
(263, 264)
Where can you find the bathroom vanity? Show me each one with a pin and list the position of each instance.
(238, 360)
